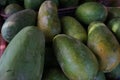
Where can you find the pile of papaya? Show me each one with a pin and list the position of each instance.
(59, 40)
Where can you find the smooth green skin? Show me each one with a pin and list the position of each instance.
(100, 76)
(23, 58)
(33, 4)
(12, 8)
(16, 22)
(105, 46)
(76, 60)
(114, 74)
(91, 11)
(114, 25)
(73, 28)
(48, 20)
(55, 74)
(69, 3)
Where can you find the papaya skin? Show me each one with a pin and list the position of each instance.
(23, 59)
(48, 20)
(105, 46)
(12, 8)
(73, 28)
(76, 60)
(91, 11)
(14, 23)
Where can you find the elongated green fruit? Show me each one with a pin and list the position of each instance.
(16, 22)
(105, 46)
(12, 8)
(73, 28)
(91, 11)
(76, 60)
(23, 58)
(48, 20)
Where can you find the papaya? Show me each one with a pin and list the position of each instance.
(114, 26)
(104, 45)
(23, 59)
(12, 8)
(91, 11)
(48, 20)
(16, 22)
(55, 74)
(76, 60)
(73, 28)
(32, 4)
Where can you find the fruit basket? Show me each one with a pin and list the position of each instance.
(66, 45)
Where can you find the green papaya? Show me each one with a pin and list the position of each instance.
(69, 3)
(114, 74)
(104, 45)
(91, 11)
(100, 76)
(32, 4)
(114, 26)
(76, 60)
(12, 8)
(73, 28)
(23, 59)
(48, 20)
(55, 74)
(16, 22)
